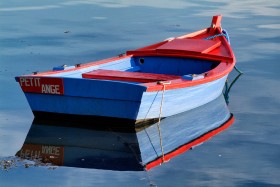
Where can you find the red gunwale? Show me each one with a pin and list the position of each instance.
(191, 144)
(220, 71)
(222, 54)
(82, 66)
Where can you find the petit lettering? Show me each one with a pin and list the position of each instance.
(41, 85)
(29, 81)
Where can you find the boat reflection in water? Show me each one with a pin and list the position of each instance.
(113, 150)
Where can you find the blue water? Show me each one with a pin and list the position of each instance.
(38, 35)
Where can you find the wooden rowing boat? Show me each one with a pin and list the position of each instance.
(156, 81)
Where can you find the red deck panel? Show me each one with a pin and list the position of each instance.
(190, 45)
(127, 76)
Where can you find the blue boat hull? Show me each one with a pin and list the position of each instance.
(121, 100)
(179, 100)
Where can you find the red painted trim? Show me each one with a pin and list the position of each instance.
(189, 145)
(189, 45)
(127, 76)
(82, 66)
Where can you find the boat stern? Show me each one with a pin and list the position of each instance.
(66, 97)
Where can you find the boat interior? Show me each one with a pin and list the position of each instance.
(141, 69)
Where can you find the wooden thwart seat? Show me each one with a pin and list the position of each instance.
(181, 46)
(127, 76)
(189, 45)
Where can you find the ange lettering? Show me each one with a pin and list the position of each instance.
(44, 85)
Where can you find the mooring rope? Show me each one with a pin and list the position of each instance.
(228, 87)
(214, 36)
(224, 33)
(160, 113)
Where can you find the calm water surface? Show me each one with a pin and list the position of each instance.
(36, 35)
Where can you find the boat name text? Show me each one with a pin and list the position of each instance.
(41, 85)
